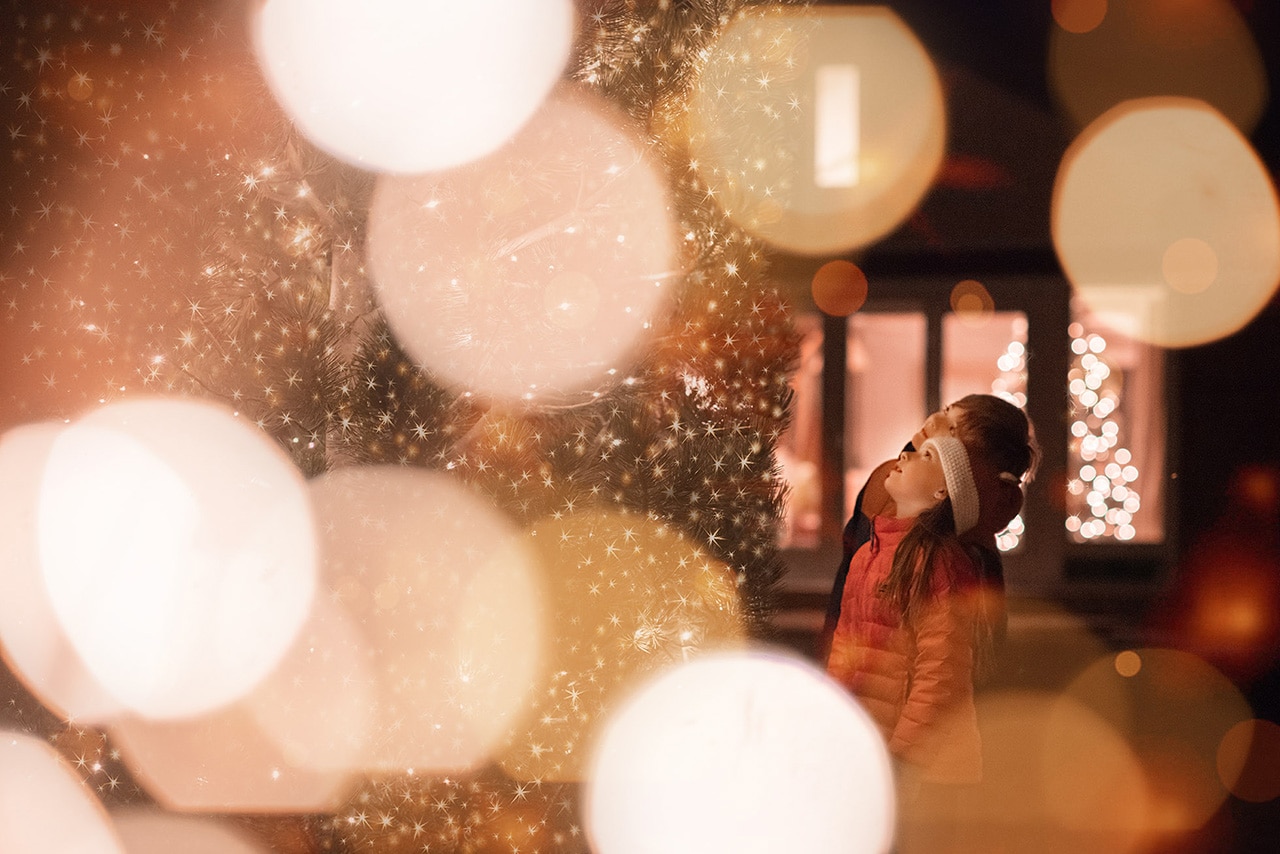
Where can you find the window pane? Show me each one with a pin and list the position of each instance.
(800, 448)
(987, 354)
(1116, 450)
(884, 391)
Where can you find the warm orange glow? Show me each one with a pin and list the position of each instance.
(831, 136)
(1258, 487)
(1129, 192)
(839, 288)
(1128, 663)
(1079, 16)
(1198, 49)
(971, 301)
(1249, 760)
(1059, 771)
(627, 596)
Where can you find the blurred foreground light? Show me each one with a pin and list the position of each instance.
(839, 288)
(627, 596)
(319, 705)
(972, 302)
(147, 831)
(446, 596)
(1174, 711)
(178, 549)
(1167, 224)
(535, 271)
(744, 753)
(1144, 48)
(44, 806)
(1078, 16)
(412, 85)
(1249, 760)
(1056, 777)
(221, 762)
(1128, 663)
(32, 641)
(818, 130)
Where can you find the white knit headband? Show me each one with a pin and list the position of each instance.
(960, 485)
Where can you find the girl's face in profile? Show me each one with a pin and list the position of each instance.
(941, 423)
(917, 482)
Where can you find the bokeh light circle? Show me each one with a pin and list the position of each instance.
(1128, 663)
(220, 762)
(43, 804)
(1249, 760)
(627, 595)
(1174, 711)
(178, 549)
(537, 270)
(412, 85)
(972, 302)
(818, 130)
(839, 288)
(1057, 774)
(1105, 52)
(147, 831)
(32, 641)
(448, 600)
(1143, 199)
(743, 752)
(1078, 16)
(318, 705)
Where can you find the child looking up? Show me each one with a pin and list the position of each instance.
(914, 618)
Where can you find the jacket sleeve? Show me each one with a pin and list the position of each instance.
(941, 672)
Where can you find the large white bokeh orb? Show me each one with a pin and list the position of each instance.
(178, 549)
(44, 807)
(412, 85)
(32, 641)
(446, 595)
(741, 752)
(1167, 223)
(537, 271)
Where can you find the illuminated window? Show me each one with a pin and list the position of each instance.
(884, 391)
(1116, 450)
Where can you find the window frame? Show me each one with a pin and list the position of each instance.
(1047, 563)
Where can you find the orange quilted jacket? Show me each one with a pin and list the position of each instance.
(915, 680)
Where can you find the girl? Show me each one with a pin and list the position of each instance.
(1010, 442)
(915, 622)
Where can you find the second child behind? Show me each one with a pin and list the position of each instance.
(915, 617)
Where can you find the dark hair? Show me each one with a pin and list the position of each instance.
(995, 430)
(911, 577)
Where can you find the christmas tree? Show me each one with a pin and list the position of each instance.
(171, 232)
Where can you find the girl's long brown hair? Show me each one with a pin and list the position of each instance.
(998, 436)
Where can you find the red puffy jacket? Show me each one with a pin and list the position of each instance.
(914, 679)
